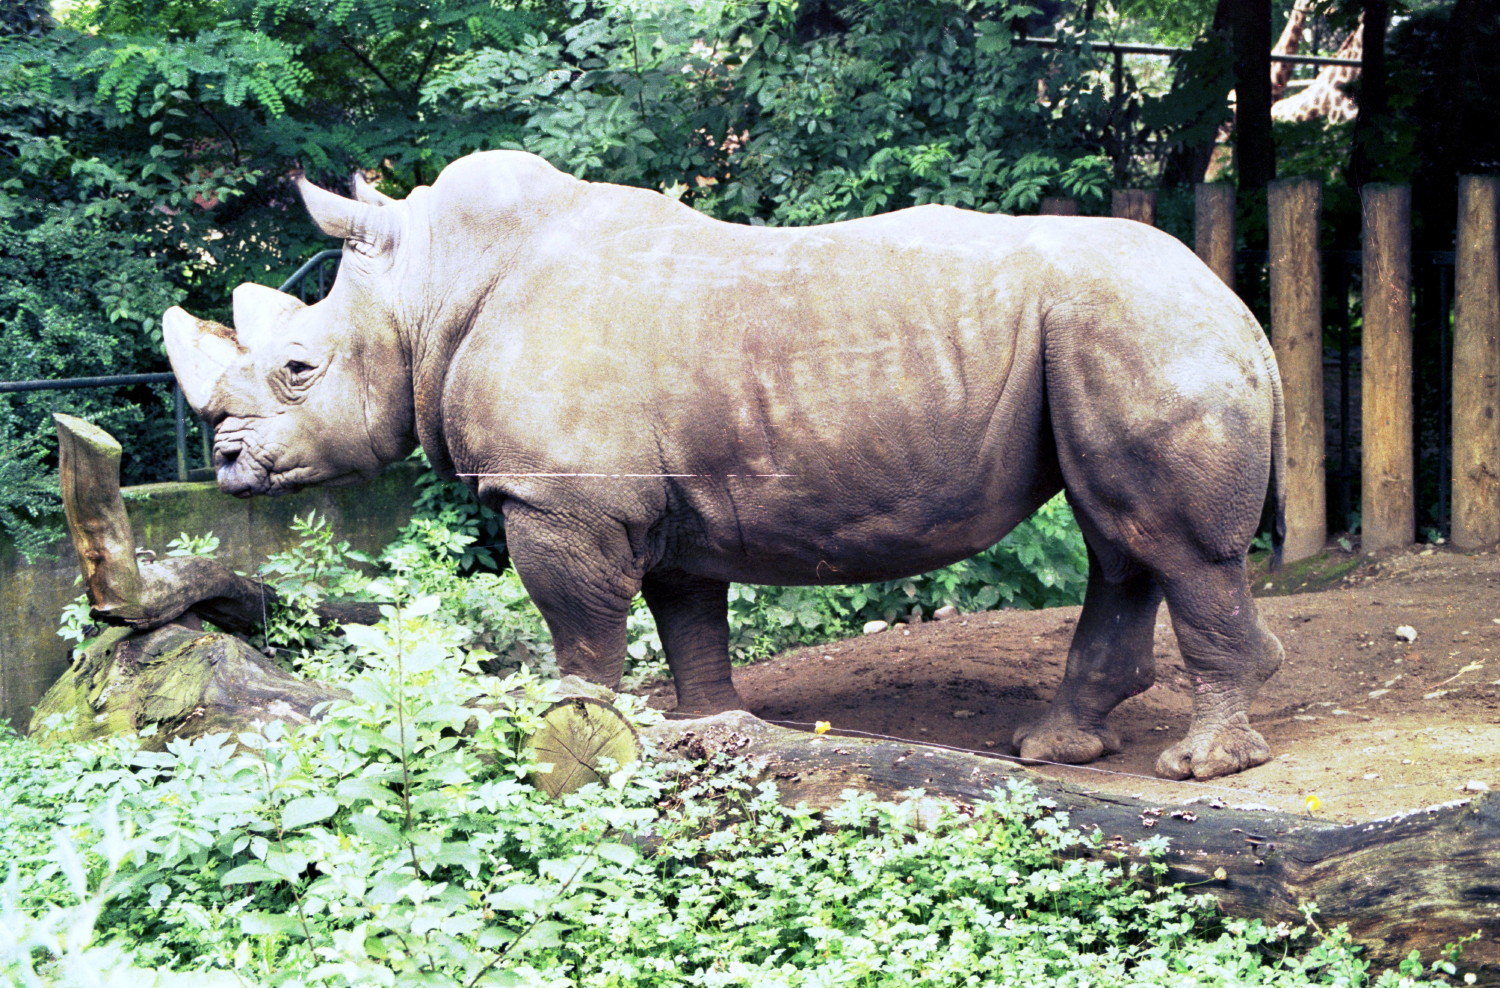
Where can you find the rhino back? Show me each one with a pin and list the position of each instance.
(845, 402)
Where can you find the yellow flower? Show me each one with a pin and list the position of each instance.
(1313, 803)
(821, 727)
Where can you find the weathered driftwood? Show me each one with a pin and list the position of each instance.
(153, 665)
(1417, 881)
(89, 475)
(147, 593)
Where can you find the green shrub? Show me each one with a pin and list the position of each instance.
(378, 847)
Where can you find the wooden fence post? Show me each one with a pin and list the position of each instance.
(1476, 366)
(1213, 227)
(1388, 511)
(1297, 337)
(1058, 206)
(1134, 204)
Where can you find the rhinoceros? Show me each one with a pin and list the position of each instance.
(661, 403)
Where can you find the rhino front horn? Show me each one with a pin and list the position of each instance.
(200, 351)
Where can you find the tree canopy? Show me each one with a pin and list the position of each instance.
(147, 146)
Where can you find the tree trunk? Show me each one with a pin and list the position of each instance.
(1201, 83)
(1372, 122)
(1254, 147)
(1417, 881)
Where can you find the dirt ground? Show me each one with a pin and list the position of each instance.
(1369, 723)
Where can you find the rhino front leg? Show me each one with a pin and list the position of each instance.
(582, 579)
(1110, 659)
(692, 617)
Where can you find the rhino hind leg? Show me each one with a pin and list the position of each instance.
(1167, 477)
(1110, 659)
(692, 617)
(1229, 654)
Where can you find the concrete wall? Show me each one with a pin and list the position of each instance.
(33, 595)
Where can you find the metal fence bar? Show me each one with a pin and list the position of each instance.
(318, 263)
(298, 279)
(1132, 49)
(71, 383)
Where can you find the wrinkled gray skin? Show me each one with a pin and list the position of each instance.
(662, 403)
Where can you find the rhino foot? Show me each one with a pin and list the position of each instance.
(1209, 754)
(1067, 743)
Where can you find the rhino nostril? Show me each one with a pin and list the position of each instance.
(227, 455)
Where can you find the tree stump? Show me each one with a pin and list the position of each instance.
(181, 682)
(153, 665)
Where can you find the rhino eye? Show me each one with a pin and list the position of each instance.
(297, 368)
(360, 247)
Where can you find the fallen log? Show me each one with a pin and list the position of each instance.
(1417, 881)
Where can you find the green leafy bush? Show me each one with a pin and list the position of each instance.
(381, 847)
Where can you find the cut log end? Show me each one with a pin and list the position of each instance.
(576, 737)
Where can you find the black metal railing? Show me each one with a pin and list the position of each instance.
(320, 269)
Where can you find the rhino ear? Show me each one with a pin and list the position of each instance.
(200, 351)
(365, 192)
(347, 219)
(261, 315)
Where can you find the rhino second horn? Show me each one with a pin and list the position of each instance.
(366, 192)
(347, 219)
(261, 315)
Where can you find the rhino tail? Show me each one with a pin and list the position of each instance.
(1274, 517)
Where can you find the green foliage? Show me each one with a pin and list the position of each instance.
(1042, 563)
(380, 848)
(304, 576)
(749, 112)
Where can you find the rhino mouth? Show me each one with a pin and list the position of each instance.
(243, 470)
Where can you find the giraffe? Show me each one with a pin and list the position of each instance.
(1324, 97)
(1287, 44)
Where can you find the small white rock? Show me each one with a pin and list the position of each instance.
(949, 611)
(875, 627)
(1474, 785)
(1371, 776)
(963, 714)
(1406, 633)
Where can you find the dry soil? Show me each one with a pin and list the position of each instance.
(1369, 723)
